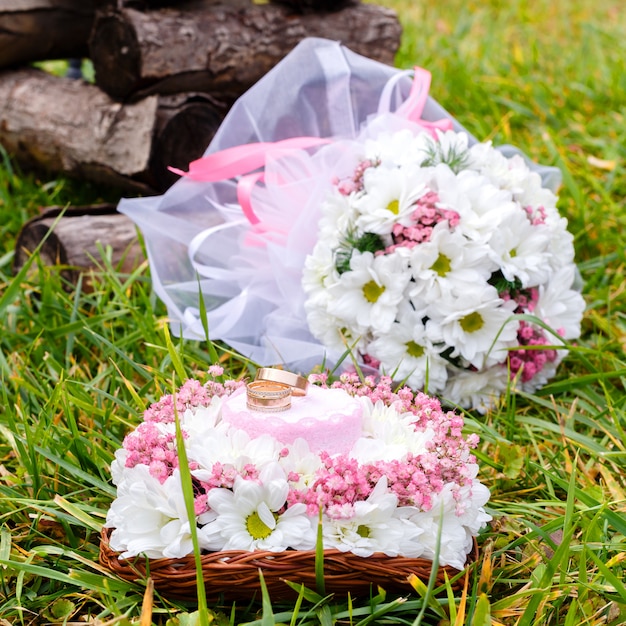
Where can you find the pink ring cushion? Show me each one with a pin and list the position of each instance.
(328, 419)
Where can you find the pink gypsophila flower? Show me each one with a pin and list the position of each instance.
(530, 361)
(426, 215)
(152, 446)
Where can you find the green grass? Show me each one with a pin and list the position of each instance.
(77, 366)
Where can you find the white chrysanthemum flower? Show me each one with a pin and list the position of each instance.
(449, 143)
(527, 185)
(319, 271)
(561, 242)
(491, 163)
(388, 435)
(202, 419)
(396, 149)
(510, 173)
(375, 526)
(318, 274)
(475, 325)
(522, 250)
(250, 516)
(407, 352)
(232, 447)
(482, 207)
(300, 460)
(446, 264)
(118, 466)
(149, 518)
(337, 219)
(369, 293)
(480, 390)
(336, 334)
(457, 531)
(560, 306)
(388, 198)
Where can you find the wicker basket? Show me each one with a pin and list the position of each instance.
(234, 574)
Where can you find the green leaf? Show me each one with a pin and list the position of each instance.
(512, 457)
(204, 318)
(267, 618)
(78, 513)
(176, 360)
(482, 612)
(60, 610)
(320, 582)
(187, 485)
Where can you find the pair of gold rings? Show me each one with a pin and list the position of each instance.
(272, 389)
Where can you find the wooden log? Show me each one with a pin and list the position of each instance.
(222, 49)
(36, 30)
(184, 126)
(75, 240)
(186, 5)
(56, 124)
(40, 30)
(312, 6)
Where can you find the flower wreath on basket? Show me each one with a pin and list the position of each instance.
(339, 207)
(388, 474)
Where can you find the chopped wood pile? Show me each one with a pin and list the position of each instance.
(165, 76)
(166, 73)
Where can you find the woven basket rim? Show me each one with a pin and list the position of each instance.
(234, 574)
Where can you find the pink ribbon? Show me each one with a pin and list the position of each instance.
(413, 107)
(239, 161)
(242, 161)
(232, 162)
(244, 195)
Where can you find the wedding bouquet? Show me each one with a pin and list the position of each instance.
(407, 477)
(445, 266)
(354, 213)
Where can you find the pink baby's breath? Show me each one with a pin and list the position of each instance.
(528, 362)
(341, 481)
(151, 443)
(426, 215)
(354, 184)
(536, 215)
(154, 447)
(192, 393)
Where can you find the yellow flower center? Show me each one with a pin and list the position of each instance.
(394, 207)
(257, 528)
(472, 322)
(442, 265)
(372, 291)
(414, 349)
(363, 531)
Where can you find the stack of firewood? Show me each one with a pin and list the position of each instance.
(164, 76)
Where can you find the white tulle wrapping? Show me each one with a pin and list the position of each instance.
(250, 276)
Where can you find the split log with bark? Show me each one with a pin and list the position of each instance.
(222, 49)
(37, 30)
(56, 124)
(76, 238)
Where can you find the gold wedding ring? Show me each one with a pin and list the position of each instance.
(298, 384)
(268, 396)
